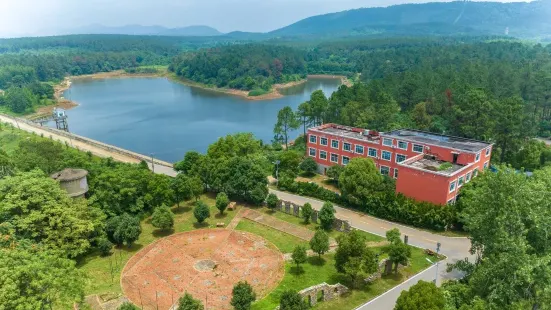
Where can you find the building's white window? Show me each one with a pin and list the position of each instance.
(345, 160)
(335, 144)
(451, 201)
(418, 148)
(387, 141)
(461, 181)
(486, 164)
(359, 149)
(323, 155)
(402, 145)
(312, 152)
(468, 177)
(347, 147)
(400, 158)
(385, 170)
(488, 150)
(452, 186)
(313, 139)
(477, 159)
(475, 173)
(323, 141)
(395, 173)
(372, 152)
(386, 155)
(334, 158)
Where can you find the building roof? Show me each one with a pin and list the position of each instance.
(69, 174)
(451, 142)
(346, 132)
(426, 162)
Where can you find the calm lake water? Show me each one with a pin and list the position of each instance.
(156, 115)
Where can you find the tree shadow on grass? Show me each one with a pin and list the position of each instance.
(297, 270)
(393, 276)
(182, 209)
(316, 261)
(159, 233)
(200, 225)
(220, 216)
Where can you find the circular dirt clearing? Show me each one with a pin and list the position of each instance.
(205, 263)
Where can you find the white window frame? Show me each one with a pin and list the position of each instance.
(451, 201)
(333, 140)
(396, 159)
(475, 173)
(401, 148)
(388, 139)
(422, 148)
(376, 152)
(381, 170)
(310, 152)
(468, 177)
(356, 149)
(345, 143)
(315, 139)
(342, 160)
(323, 152)
(331, 158)
(459, 184)
(488, 150)
(454, 182)
(477, 157)
(487, 165)
(396, 173)
(326, 141)
(383, 157)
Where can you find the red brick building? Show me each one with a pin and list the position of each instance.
(427, 166)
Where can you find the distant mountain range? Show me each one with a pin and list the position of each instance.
(190, 31)
(461, 17)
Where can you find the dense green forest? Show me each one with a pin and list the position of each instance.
(243, 67)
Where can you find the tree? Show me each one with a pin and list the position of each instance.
(421, 296)
(307, 212)
(393, 235)
(201, 212)
(286, 121)
(272, 201)
(242, 296)
(399, 253)
(39, 210)
(510, 127)
(222, 202)
(291, 300)
(127, 306)
(299, 255)
(359, 180)
(320, 242)
(327, 215)
(35, 278)
(187, 302)
(105, 246)
(334, 172)
(186, 187)
(289, 162)
(123, 229)
(319, 105)
(163, 218)
(304, 114)
(350, 245)
(309, 166)
(421, 117)
(186, 165)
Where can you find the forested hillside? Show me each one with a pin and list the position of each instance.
(460, 17)
(244, 67)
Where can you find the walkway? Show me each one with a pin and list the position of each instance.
(275, 223)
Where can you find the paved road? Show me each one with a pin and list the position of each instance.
(454, 248)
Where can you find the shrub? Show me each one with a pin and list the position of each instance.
(105, 246)
(299, 255)
(187, 302)
(242, 296)
(222, 202)
(307, 212)
(309, 166)
(258, 92)
(291, 300)
(272, 201)
(201, 212)
(162, 218)
(327, 215)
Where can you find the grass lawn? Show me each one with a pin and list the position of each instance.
(316, 272)
(10, 137)
(284, 242)
(312, 226)
(320, 180)
(98, 268)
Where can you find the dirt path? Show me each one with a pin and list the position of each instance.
(275, 223)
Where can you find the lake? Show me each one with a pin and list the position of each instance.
(165, 118)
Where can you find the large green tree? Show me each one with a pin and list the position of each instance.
(286, 122)
(243, 296)
(187, 302)
(162, 218)
(421, 296)
(359, 180)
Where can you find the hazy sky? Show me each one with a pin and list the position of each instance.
(34, 17)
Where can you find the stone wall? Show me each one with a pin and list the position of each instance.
(295, 210)
(322, 292)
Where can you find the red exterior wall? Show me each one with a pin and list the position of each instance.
(418, 184)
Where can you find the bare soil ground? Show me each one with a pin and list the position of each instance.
(163, 271)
